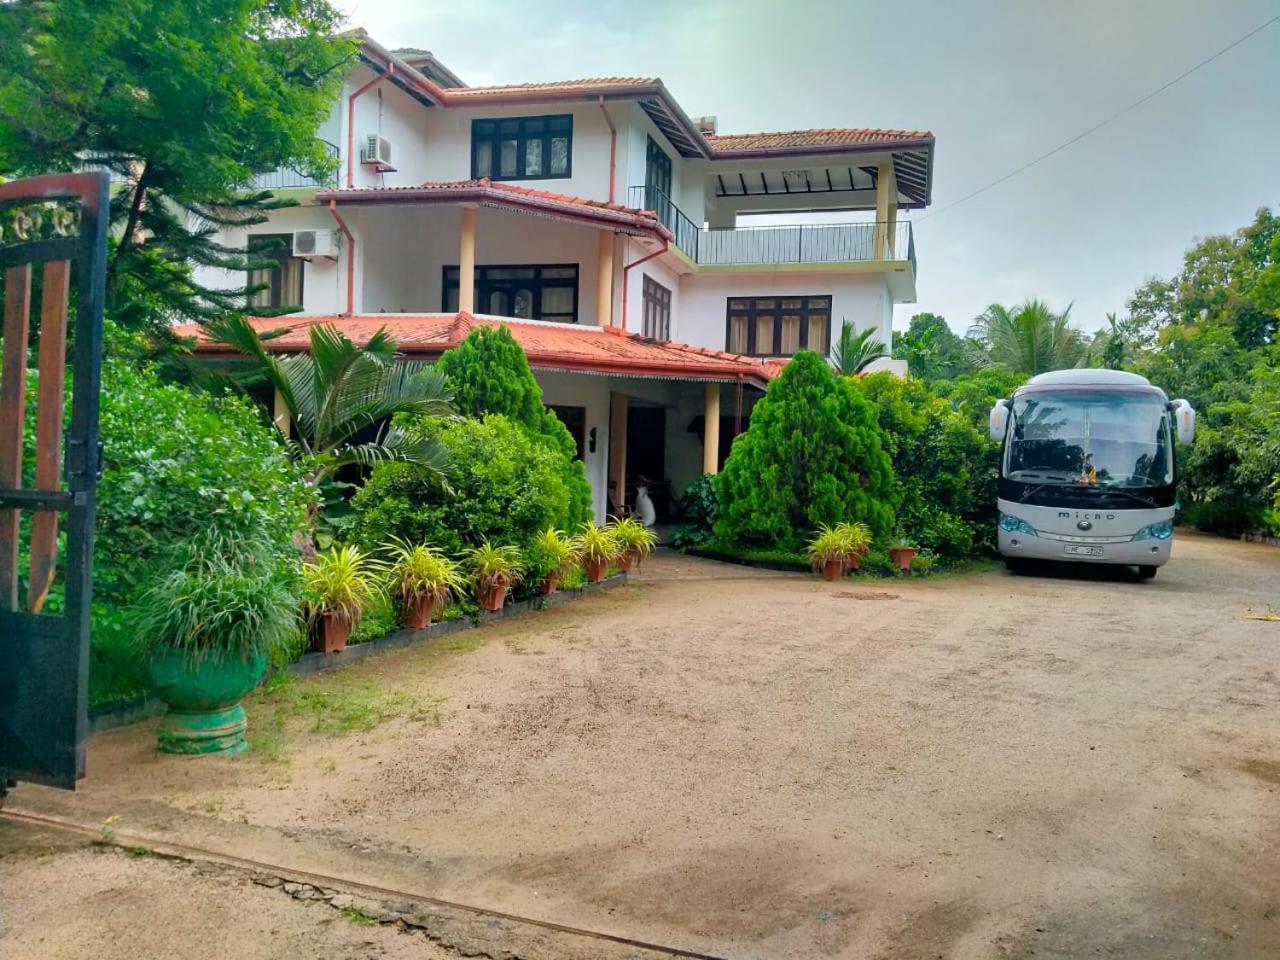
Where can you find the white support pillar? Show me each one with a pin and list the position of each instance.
(618, 404)
(467, 261)
(893, 232)
(711, 430)
(884, 183)
(604, 280)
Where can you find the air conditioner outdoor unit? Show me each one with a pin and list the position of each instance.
(314, 243)
(377, 152)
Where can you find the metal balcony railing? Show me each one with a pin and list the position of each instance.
(286, 178)
(790, 243)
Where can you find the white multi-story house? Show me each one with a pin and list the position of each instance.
(604, 226)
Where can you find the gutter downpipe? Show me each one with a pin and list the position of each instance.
(351, 256)
(626, 272)
(613, 147)
(351, 121)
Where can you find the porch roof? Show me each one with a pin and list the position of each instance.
(549, 346)
(508, 196)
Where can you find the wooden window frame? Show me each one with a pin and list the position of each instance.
(537, 284)
(493, 137)
(753, 311)
(282, 253)
(656, 300)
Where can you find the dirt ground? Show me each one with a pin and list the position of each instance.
(761, 765)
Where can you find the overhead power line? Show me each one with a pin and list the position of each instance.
(1102, 123)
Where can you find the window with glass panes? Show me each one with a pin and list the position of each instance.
(657, 310)
(522, 148)
(528, 292)
(777, 326)
(283, 278)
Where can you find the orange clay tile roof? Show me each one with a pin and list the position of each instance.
(502, 194)
(823, 137)
(554, 346)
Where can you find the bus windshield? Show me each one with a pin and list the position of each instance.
(1097, 438)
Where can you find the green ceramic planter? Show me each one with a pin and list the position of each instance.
(205, 715)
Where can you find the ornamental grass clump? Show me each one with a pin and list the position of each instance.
(493, 569)
(635, 541)
(551, 555)
(340, 583)
(598, 548)
(424, 579)
(838, 548)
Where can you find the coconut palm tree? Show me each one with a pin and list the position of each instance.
(854, 352)
(340, 390)
(1028, 338)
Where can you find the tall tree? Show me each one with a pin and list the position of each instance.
(1029, 338)
(184, 103)
(932, 350)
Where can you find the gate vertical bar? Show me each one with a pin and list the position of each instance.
(13, 405)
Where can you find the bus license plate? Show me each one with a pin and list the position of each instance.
(1080, 551)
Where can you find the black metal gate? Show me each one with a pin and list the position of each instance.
(53, 238)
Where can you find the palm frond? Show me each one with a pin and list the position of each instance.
(854, 352)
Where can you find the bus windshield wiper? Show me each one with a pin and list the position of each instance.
(1144, 500)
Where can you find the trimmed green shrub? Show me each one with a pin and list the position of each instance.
(813, 454)
(507, 486)
(489, 373)
(947, 469)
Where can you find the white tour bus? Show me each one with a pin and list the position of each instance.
(1086, 472)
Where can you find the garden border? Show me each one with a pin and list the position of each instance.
(123, 713)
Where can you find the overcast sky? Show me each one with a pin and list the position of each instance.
(998, 83)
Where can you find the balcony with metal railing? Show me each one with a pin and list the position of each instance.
(287, 178)
(774, 244)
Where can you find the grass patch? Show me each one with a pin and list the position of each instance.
(330, 707)
(358, 917)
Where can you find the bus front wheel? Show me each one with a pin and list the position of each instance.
(1147, 572)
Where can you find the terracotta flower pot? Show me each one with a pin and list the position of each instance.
(633, 558)
(419, 612)
(549, 582)
(493, 596)
(853, 561)
(330, 632)
(902, 556)
(597, 570)
(832, 570)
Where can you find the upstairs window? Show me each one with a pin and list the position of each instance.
(522, 148)
(657, 310)
(778, 326)
(533, 292)
(283, 279)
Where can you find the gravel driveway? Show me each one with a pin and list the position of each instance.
(763, 765)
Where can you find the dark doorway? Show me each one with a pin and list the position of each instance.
(647, 455)
(575, 421)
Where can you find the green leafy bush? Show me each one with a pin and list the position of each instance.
(700, 508)
(489, 373)
(947, 469)
(813, 454)
(507, 487)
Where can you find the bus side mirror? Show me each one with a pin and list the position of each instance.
(1184, 418)
(999, 420)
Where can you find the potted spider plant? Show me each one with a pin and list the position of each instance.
(902, 552)
(493, 570)
(635, 541)
(549, 556)
(424, 578)
(598, 548)
(340, 582)
(856, 538)
(828, 552)
(208, 630)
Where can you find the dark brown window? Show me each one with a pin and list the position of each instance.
(283, 279)
(529, 292)
(522, 148)
(777, 326)
(657, 310)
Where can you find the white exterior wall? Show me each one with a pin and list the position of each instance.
(386, 110)
(635, 290)
(861, 298)
(407, 249)
(687, 187)
(591, 392)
